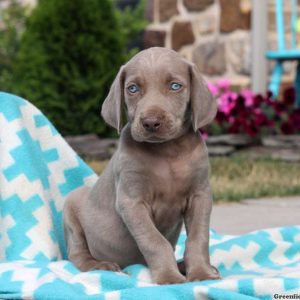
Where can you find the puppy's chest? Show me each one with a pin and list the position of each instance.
(173, 181)
(171, 189)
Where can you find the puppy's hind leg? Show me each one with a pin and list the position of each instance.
(78, 251)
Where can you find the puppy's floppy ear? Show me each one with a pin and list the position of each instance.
(203, 104)
(112, 106)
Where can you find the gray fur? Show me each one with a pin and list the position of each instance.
(155, 181)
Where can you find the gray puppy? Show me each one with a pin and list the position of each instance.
(156, 180)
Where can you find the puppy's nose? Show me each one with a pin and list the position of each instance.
(151, 124)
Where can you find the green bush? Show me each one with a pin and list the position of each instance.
(132, 24)
(69, 54)
(12, 18)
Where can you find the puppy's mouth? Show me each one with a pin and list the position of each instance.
(155, 139)
(158, 137)
(148, 138)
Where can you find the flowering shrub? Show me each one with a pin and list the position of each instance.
(252, 114)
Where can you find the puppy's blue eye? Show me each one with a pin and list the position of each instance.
(133, 88)
(175, 86)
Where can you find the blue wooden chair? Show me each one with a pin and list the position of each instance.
(284, 53)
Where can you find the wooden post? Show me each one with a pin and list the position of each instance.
(259, 45)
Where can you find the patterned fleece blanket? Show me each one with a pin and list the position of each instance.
(39, 169)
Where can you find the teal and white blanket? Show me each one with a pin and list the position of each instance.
(39, 169)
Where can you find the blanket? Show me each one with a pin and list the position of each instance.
(38, 170)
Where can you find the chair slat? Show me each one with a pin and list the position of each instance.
(283, 54)
(280, 25)
(293, 24)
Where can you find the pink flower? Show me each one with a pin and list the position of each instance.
(226, 102)
(257, 111)
(204, 135)
(231, 120)
(213, 89)
(253, 114)
(224, 84)
(248, 95)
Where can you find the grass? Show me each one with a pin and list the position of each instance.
(237, 178)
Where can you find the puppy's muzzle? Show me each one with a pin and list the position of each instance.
(151, 124)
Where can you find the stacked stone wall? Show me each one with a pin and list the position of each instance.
(214, 34)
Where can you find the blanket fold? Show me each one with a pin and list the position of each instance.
(39, 169)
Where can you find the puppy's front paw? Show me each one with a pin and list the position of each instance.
(203, 273)
(107, 265)
(100, 265)
(168, 277)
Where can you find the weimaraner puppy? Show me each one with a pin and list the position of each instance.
(157, 178)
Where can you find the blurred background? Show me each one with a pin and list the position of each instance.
(63, 55)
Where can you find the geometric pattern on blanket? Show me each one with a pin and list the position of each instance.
(39, 169)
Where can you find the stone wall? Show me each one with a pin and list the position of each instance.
(214, 34)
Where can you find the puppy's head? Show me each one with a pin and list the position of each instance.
(163, 94)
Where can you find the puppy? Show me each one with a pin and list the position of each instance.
(156, 180)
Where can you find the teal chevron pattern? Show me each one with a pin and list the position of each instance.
(39, 169)
(20, 210)
(25, 158)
